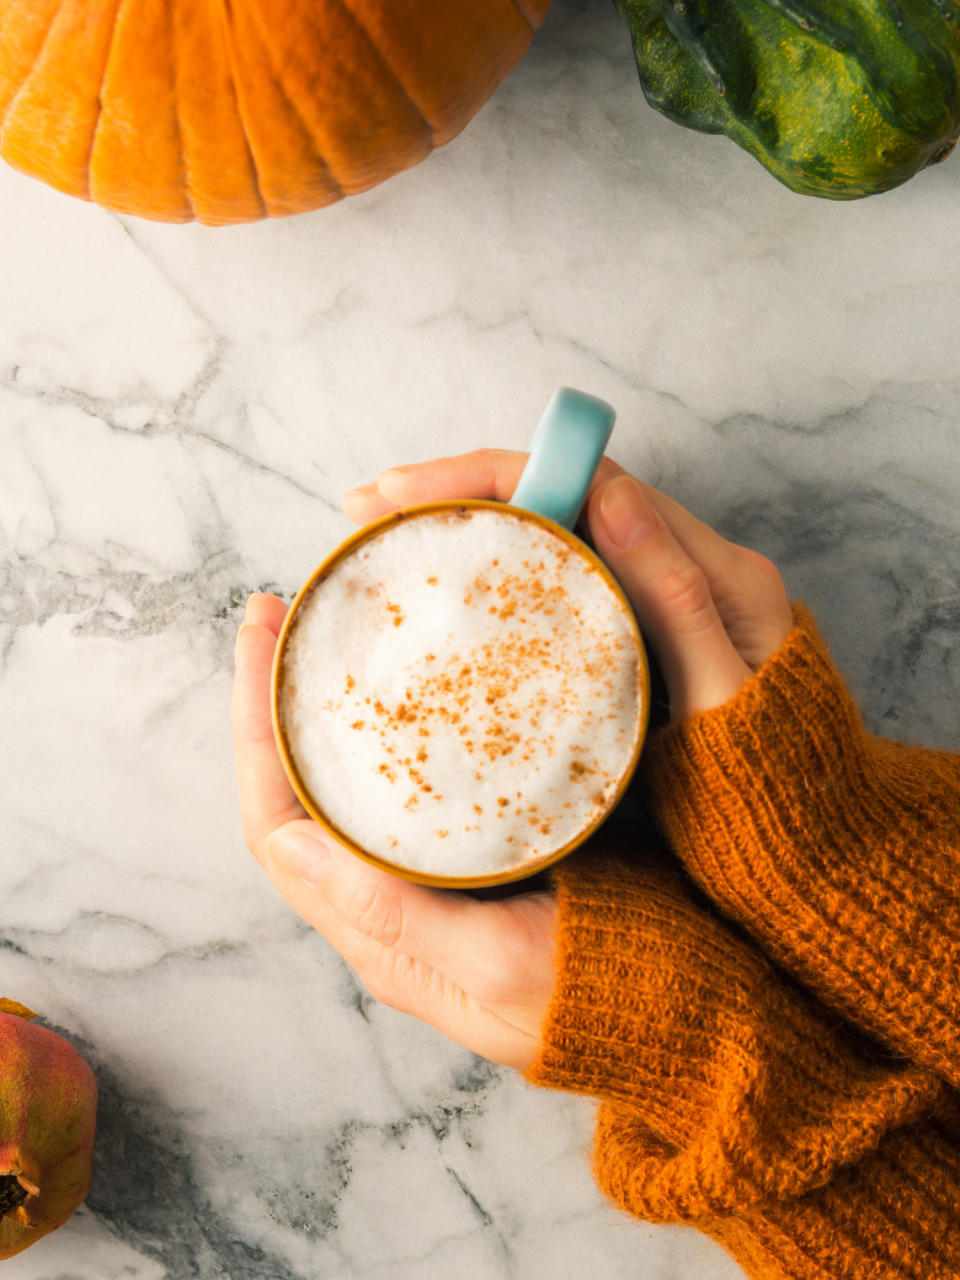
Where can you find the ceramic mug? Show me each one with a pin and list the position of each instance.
(564, 453)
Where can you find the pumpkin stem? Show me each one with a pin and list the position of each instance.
(12, 1193)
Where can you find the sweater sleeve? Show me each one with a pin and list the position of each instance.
(837, 850)
(890, 1216)
(731, 1099)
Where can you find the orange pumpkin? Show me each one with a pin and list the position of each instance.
(234, 110)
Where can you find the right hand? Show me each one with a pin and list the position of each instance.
(712, 611)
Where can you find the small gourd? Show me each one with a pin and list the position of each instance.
(836, 98)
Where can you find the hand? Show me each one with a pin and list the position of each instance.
(480, 972)
(711, 611)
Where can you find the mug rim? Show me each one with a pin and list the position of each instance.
(521, 871)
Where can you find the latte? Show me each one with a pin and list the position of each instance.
(461, 693)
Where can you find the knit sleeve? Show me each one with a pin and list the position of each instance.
(890, 1216)
(837, 850)
(731, 1100)
(737, 1085)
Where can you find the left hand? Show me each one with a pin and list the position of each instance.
(482, 972)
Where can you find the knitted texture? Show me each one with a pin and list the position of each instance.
(837, 850)
(734, 1098)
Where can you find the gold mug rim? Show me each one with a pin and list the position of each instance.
(526, 869)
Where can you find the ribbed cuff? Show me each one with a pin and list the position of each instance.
(838, 851)
(738, 1087)
(892, 1216)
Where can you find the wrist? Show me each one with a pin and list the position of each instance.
(644, 980)
(731, 1085)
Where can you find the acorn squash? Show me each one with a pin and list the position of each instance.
(836, 98)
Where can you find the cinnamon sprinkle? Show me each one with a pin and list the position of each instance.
(491, 692)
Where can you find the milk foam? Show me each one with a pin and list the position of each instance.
(462, 693)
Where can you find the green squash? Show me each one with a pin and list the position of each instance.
(837, 98)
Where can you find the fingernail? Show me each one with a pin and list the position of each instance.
(361, 491)
(240, 630)
(625, 513)
(300, 854)
(393, 476)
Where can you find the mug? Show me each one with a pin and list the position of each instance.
(564, 453)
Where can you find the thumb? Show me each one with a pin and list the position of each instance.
(671, 596)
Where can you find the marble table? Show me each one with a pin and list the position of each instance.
(181, 411)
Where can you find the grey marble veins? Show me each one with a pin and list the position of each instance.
(180, 412)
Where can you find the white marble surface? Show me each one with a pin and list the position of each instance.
(181, 410)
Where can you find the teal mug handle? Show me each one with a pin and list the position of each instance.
(564, 454)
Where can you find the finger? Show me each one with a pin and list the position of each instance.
(747, 588)
(266, 610)
(484, 473)
(671, 595)
(266, 797)
(366, 503)
(479, 972)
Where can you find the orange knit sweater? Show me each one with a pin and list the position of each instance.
(769, 1010)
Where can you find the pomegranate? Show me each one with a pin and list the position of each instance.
(48, 1108)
